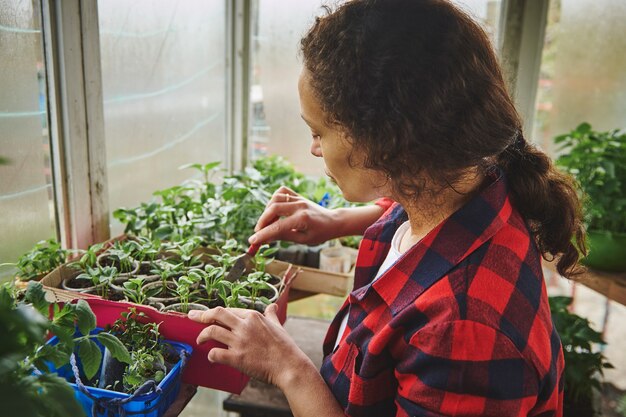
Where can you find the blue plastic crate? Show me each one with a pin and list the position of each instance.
(113, 403)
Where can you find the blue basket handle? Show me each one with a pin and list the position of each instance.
(115, 406)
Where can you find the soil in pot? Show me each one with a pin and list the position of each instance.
(270, 293)
(116, 296)
(111, 373)
(167, 296)
(117, 285)
(201, 297)
(108, 260)
(170, 356)
(77, 284)
(145, 268)
(275, 280)
(108, 295)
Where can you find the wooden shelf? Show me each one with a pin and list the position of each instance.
(610, 284)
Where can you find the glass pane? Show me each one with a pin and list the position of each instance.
(26, 195)
(583, 76)
(163, 72)
(276, 127)
(486, 12)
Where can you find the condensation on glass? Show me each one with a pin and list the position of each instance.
(26, 194)
(583, 69)
(276, 127)
(163, 69)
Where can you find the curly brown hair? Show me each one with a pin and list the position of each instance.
(417, 86)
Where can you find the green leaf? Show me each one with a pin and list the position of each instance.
(90, 356)
(118, 350)
(159, 375)
(58, 354)
(163, 231)
(59, 398)
(37, 296)
(86, 319)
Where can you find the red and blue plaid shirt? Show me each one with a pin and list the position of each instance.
(458, 326)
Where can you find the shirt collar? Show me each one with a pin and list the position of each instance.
(443, 247)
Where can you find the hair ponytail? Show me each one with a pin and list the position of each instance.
(547, 199)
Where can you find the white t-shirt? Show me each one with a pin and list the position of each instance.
(393, 255)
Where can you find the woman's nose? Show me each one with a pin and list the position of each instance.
(316, 148)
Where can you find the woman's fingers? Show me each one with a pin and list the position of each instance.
(217, 315)
(245, 313)
(285, 190)
(271, 312)
(223, 356)
(274, 211)
(217, 333)
(282, 195)
(292, 228)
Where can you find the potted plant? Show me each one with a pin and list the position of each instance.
(260, 292)
(231, 294)
(45, 256)
(119, 256)
(27, 385)
(213, 283)
(184, 289)
(134, 290)
(168, 272)
(598, 162)
(584, 362)
(185, 251)
(95, 280)
(144, 381)
(144, 251)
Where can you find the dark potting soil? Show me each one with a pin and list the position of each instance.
(170, 356)
(167, 293)
(265, 293)
(79, 283)
(202, 297)
(115, 296)
(110, 261)
(144, 269)
(112, 371)
(211, 303)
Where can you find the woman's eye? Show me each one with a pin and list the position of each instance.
(315, 136)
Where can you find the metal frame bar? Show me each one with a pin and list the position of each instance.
(72, 55)
(522, 33)
(238, 67)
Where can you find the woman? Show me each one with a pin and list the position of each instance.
(449, 313)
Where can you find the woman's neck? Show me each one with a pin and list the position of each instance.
(430, 208)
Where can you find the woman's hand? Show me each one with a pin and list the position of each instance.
(291, 217)
(299, 220)
(256, 343)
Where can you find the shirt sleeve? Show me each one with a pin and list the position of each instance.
(464, 368)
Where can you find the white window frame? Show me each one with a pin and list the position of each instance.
(74, 82)
(521, 40)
